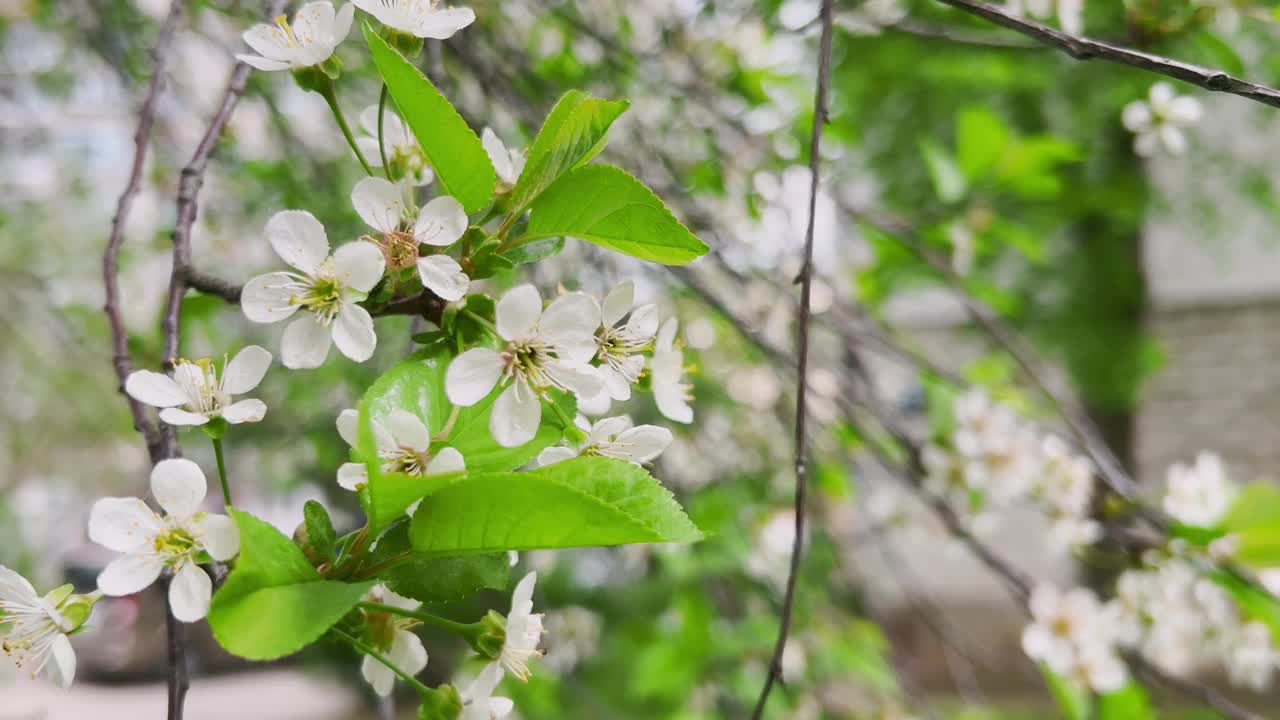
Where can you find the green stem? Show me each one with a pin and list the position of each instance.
(564, 418)
(426, 618)
(331, 96)
(367, 650)
(448, 425)
(222, 471)
(482, 320)
(382, 150)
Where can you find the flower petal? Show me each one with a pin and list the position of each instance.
(359, 265)
(377, 200)
(299, 239)
(342, 22)
(553, 455)
(472, 375)
(407, 652)
(643, 322)
(155, 389)
(442, 24)
(617, 303)
(251, 410)
(522, 596)
(408, 430)
(352, 475)
(305, 343)
(379, 676)
(129, 574)
(443, 276)
(178, 484)
(516, 416)
(178, 416)
(246, 370)
(353, 333)
(262, 63)
(441, 222)
(570, 323)
(61, 666)
(189, 593)
(606, 429)
(580, 378)
(517, 312)
(218, 535)
(369, 148)
(644, 443)
(448, 460)
(349, 426)
(15, 588)
(123, 524)
(498, 155)
(267, 298)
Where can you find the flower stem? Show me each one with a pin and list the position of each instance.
(448, 425)
(331, 96)
(482, 320)
(222, 471)
(382, 149)
(367, 650)
(464, 629)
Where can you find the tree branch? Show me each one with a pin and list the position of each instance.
(1082, 48)
(802, 364)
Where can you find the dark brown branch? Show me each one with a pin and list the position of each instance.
(1082, 48)
(961, 36)
(211, 285)
(120, 359)
(176, 656)
(802, 362)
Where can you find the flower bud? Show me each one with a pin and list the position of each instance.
(492, 635)
(408, 45)
(442, 703)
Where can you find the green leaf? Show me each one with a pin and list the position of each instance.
(980, 140)
(320, 532)
(1074, 702)
(949, 183)
(574, 132)
(1254, 602)
(460, 162)
(585, 501)
(438, 579)
(1128, 703)
(534, 251)
(274, 603)
(471, 436)
(1254, 520)
(606, 206)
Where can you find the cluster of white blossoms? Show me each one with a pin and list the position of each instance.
(35, 629)
(573, 345)
(1158, 122)
(996, 460)
(403, 444)
(1071, 633)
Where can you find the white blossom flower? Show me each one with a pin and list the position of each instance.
(1098, 667)
(670, 391)
(999, 456)
(544, 349)
(619, 345)
(523, 631)
(507, 163)
(617, 438)
(309, 40)
(439, 223)
(420, 18)
(1158, 122)
(151, 542)
(1252, 657)
(391, 635)
(34, 628)
(404, 446)
(1062, 623)
(1068, 532)
(1201, 494)
(1070, 12)
(1066, 479)
(326, 286)
(404, 155)
(195, 394)
(478, 702)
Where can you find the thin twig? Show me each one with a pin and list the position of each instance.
(120, 359)
(1082, 48)
(176, 655)
(802, 362)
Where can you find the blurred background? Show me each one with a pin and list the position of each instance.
(1149, 284)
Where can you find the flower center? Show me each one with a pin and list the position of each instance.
(175, 544)
(404, 459)
(286, 30)
(201, 385)
(525, 361)
(323, 296)
(398, 247)
(615, 348)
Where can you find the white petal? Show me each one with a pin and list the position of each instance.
(615, 383)
(608, 428)
(369, 148)
(407, 652)
(448, 460)
(443, 276)
(262, 63)
(342, 22)
(522, 596)
(408, 430)
(379, 676)
(349, 426)
(129, 574)
(352, 475)
(580, 378)
(353, 333)
(61, 666)
(266, 298)
(377, 200)
(299, 239)
(178, 484)
(472, 375)
(268, 41)
(246, 370)
(218, 535)
(618, 303)
(516, 416)
(359, 265)
(643, 322)
(517, 312)
(553, 455)
(1175, 143)
(482, 687)
(667, 334)
(442, 24)
(189, 593)
(123, 524)
(644, 443)
(498, 154)
(441, 222)
(1161, 94)
(305, 343)
(570, 323)
(500, 707)
(251, 410)
(15, 588)
(1184, 110)
(153, 388)
(595, 405)
(178, 416)
(1147, 143)
(314, 22)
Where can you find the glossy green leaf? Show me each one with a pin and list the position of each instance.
(461, 165)
(437, 579)
(606, 206)
(585, 501)
(980, 140)
(1128, 703)
(1074, 702)
(574, 132)
(1254, 521)
(320, 533)
(274, 603)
